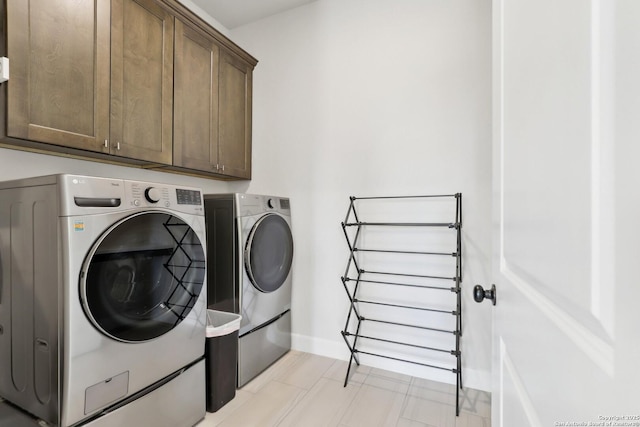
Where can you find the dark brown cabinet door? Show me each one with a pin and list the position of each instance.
(59, 87)
(212, 106)
(94, 75)
(195, 139)
(234, 138)
(141, 80)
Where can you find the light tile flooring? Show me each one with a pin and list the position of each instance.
(305, 390)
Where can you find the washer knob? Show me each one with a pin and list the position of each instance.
(152, 195)
(271, 203)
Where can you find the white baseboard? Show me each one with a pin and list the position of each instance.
(476, 379)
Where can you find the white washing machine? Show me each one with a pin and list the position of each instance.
(102, 301)
(250, 256)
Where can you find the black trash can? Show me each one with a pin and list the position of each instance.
(221, 354)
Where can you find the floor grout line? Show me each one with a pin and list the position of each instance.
(291, 376)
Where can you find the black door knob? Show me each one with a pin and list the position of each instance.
(479, 294)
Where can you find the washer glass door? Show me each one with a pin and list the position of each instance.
(142, 276)
(269, 252)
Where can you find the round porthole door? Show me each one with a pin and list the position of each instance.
(143, 276)
(269, 253)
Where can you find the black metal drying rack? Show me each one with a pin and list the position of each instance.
(352, 338)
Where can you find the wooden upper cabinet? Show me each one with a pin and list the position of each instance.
(59, 87)
(195, 141)
(144, 80)
(235, 92)
(212, 98)
(141, 80)
(94, 75)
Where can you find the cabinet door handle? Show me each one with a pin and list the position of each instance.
(222, 168)
(106, 143)
(118, 146)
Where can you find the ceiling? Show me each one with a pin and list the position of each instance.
(234, 13)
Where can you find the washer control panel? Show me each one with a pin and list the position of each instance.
(143, 194)
(188, 197)
(82, 194)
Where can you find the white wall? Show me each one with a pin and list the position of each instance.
(189, 4)
(373, 97)
(358, 97)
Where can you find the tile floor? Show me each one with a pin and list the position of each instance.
(305, 390)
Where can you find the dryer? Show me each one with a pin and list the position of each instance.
(102, 301)
(250, 254)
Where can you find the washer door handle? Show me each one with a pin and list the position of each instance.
(97, 202)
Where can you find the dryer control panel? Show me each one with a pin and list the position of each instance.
(252, 204)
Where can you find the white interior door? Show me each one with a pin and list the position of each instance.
(566, 150)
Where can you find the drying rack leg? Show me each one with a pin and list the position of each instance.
(354, 356)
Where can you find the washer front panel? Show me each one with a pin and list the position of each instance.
(96, 352)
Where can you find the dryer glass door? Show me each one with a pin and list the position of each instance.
(269, 252)
(143, 276)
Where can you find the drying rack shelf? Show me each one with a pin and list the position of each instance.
(355, 276)
(183, 260)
